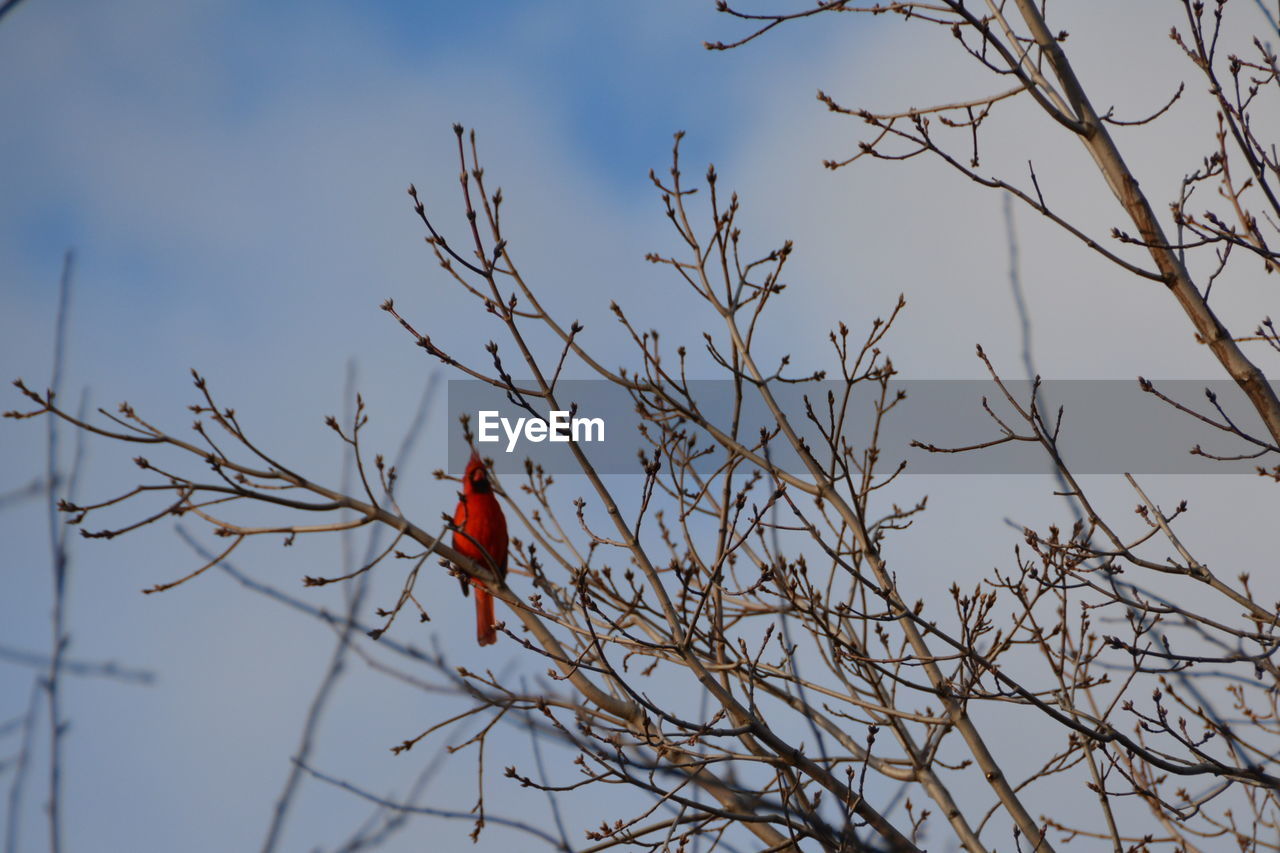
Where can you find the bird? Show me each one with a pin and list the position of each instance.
(480, 533)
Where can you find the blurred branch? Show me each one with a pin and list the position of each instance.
(8, 6)
(68, 666)
(427, 810)
(21, 765)
(59, 557)
(37, 487)
(355, 601)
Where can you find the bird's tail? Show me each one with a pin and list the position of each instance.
(486, 634)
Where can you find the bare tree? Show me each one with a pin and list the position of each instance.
(728, 644)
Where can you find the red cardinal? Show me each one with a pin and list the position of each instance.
(481, 535)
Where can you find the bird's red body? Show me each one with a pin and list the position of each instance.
(481, 535)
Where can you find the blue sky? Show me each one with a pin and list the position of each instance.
(232, 179)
